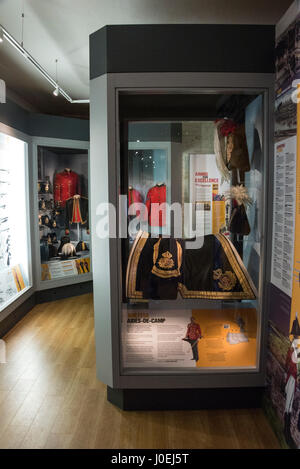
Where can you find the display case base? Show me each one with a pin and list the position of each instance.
(16, 315)
(186, 399)
(66, 291)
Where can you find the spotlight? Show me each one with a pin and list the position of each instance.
(1, 35)
(56, 91)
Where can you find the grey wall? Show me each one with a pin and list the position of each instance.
(43, 125)
(14, 116)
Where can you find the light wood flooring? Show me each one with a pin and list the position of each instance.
(50, 396)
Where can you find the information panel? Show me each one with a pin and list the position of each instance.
(207, 194)
(198, 338)
(284, 214)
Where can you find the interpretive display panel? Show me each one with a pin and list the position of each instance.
(207, 193)
(285, 170)
(189, 338)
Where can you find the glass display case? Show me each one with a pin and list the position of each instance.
(63, 213)
(15, 265)
(181, 176)
(191, 261)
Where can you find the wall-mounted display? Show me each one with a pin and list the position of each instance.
(15, 271)
(285, 190)
(63, 212)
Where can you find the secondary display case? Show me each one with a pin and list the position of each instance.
(15, 249)
(62, 207)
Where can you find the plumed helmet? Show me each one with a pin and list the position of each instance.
(68, 250)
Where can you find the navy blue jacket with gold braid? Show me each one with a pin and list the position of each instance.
(160, 267)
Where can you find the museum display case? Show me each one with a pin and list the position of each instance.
(62, 207)
(15, 250)
(189, 263)
(181, 158)
(190, 270)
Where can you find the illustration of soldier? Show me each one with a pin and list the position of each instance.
(193, 335)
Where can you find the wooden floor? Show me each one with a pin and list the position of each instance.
(50, 397)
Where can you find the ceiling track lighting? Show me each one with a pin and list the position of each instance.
(56, 91)
(4, 34)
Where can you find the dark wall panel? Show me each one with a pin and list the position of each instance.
(182, 48)
(14, 116)
(43, 125)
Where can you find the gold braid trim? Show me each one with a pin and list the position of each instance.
(166, 273)
(238, 266)
(211, 295)
(249, 290)
(155, 251)
(132, 265)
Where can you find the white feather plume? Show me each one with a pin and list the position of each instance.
(240, 194)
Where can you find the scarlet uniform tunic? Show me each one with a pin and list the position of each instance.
(134, 197)
(193, 331)
(66, 184)
(156, 215)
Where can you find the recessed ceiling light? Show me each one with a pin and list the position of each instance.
(56, 91)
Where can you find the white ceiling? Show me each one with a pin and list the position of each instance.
(61, 28)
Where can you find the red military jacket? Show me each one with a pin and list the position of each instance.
(134, 197)
(156, 195)
(66, 184)
(193, 331)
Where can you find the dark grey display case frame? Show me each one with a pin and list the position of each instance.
(105, 183)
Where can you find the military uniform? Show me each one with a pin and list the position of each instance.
(77, 211)
(66, 184)
(159, 268)
(155, 215)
